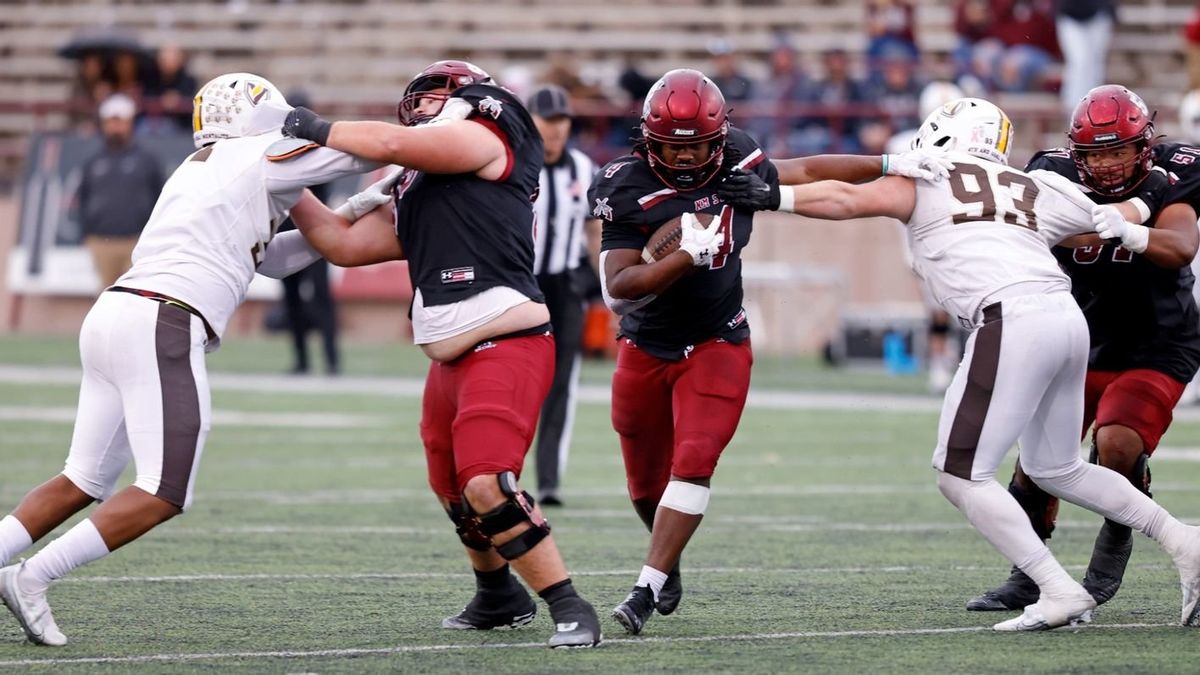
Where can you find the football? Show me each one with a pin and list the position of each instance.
(666, 238)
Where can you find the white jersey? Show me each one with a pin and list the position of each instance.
(217, 213)
(987, 227)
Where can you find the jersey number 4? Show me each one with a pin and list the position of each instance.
(984, 194)
(725, 232)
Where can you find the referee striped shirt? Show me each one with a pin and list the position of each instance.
(561, 209)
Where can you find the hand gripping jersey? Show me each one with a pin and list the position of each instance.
(217, 214)
(1139, 315)
(463, 235)
(988, 227)
(632, 202)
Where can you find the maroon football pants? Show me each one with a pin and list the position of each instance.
(676, 417)
(479, 412)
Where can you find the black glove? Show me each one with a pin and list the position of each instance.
(304, 123)
(747, 190)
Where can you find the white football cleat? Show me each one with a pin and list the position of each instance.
(1187, 560)
(1048, 613)
(32, 610)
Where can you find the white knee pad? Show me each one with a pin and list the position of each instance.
(685, 497)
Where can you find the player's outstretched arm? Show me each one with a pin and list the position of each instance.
(368, 240)
(859, 168)
(454, 146)
(893, 196)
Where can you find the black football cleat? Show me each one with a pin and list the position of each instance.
(1110, 555)
(511, 607)
(671, 593)
(635, 610)
(576, 625)
(1016, 593)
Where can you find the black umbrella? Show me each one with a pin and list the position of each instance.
(105, 42)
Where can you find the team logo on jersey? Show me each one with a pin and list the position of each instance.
(256, 92)
(491, 107)
(457, 275)
(602, 209)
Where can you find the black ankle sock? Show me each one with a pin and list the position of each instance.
(558, 592)
(497, 579)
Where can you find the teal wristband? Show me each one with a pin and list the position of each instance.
(885, 164)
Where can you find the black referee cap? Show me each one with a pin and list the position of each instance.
(549, 101)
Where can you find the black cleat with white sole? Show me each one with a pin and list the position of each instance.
(1016, 593)
(576, 625)
(635, 610)
(671, 593)
(491, 608)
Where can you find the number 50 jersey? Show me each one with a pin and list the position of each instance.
(987, 227)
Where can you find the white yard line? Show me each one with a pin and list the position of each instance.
(418, 649)
(236, 418)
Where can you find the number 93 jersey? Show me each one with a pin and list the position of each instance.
(988, 226)
(218, 211)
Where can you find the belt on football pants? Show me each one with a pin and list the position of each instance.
(166, 299)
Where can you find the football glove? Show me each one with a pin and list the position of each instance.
(376, 195)
(700, 243)
(918, 164)
(304, 123)
(1110, 224)
(747, 190)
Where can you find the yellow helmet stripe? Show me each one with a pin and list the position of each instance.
(197, 124)
(1005, 133)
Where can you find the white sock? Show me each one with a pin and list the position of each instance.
(652, 578)
(14, 538)
(81, 545)
(1110, 494)
(1001, 520)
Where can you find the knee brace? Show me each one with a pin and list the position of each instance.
(466, 525)
(1139, 475)
(1040, 506)
(517, 509)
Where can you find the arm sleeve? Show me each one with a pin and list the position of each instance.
(1061, 207)
(288, 253)
(292, 164)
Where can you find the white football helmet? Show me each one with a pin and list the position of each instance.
(970, 125)
(234, 105)
(1189, 116)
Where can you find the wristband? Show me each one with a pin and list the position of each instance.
(787, 198)
(885, 165)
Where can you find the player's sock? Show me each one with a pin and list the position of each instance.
(81, 545)
(1111, 495)
(14, 538)
(495, 580)
(557, 593)
(1001, 520)
(652, 578)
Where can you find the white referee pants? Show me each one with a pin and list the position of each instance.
(1020, 381)
(144, 396)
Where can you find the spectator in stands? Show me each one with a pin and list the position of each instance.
(776, 119)
(891, 26)
(725, 72)
(173, 86)
(896, 94)
(845, 97)
(1191, 34)
(117, 192)
(92, 85)
(1006, 45)
(128, 76)
(1084, 31)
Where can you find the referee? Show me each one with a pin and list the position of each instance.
(561, 253)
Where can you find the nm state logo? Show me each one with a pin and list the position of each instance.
(491, 107)
(256, 92)
(602, 209)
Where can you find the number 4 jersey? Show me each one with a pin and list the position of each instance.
(211, 225)
(987, 227)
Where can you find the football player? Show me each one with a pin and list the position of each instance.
(462, 216)
(980, 241)
(683, 366)
(1136, 293)
(145, 389)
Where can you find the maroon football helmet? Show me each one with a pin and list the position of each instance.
(440, 75)
(1110, 117)
(684, 108)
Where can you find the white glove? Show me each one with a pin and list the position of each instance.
(1110, 224)
(376, 195)
(700, 243)
(919, 164)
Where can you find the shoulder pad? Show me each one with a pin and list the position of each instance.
(287, 148)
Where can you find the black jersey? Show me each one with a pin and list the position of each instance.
(1182, 164)
(1139, 315)
(462, 234)
(632, 203)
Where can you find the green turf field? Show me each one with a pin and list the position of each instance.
(314, 545)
